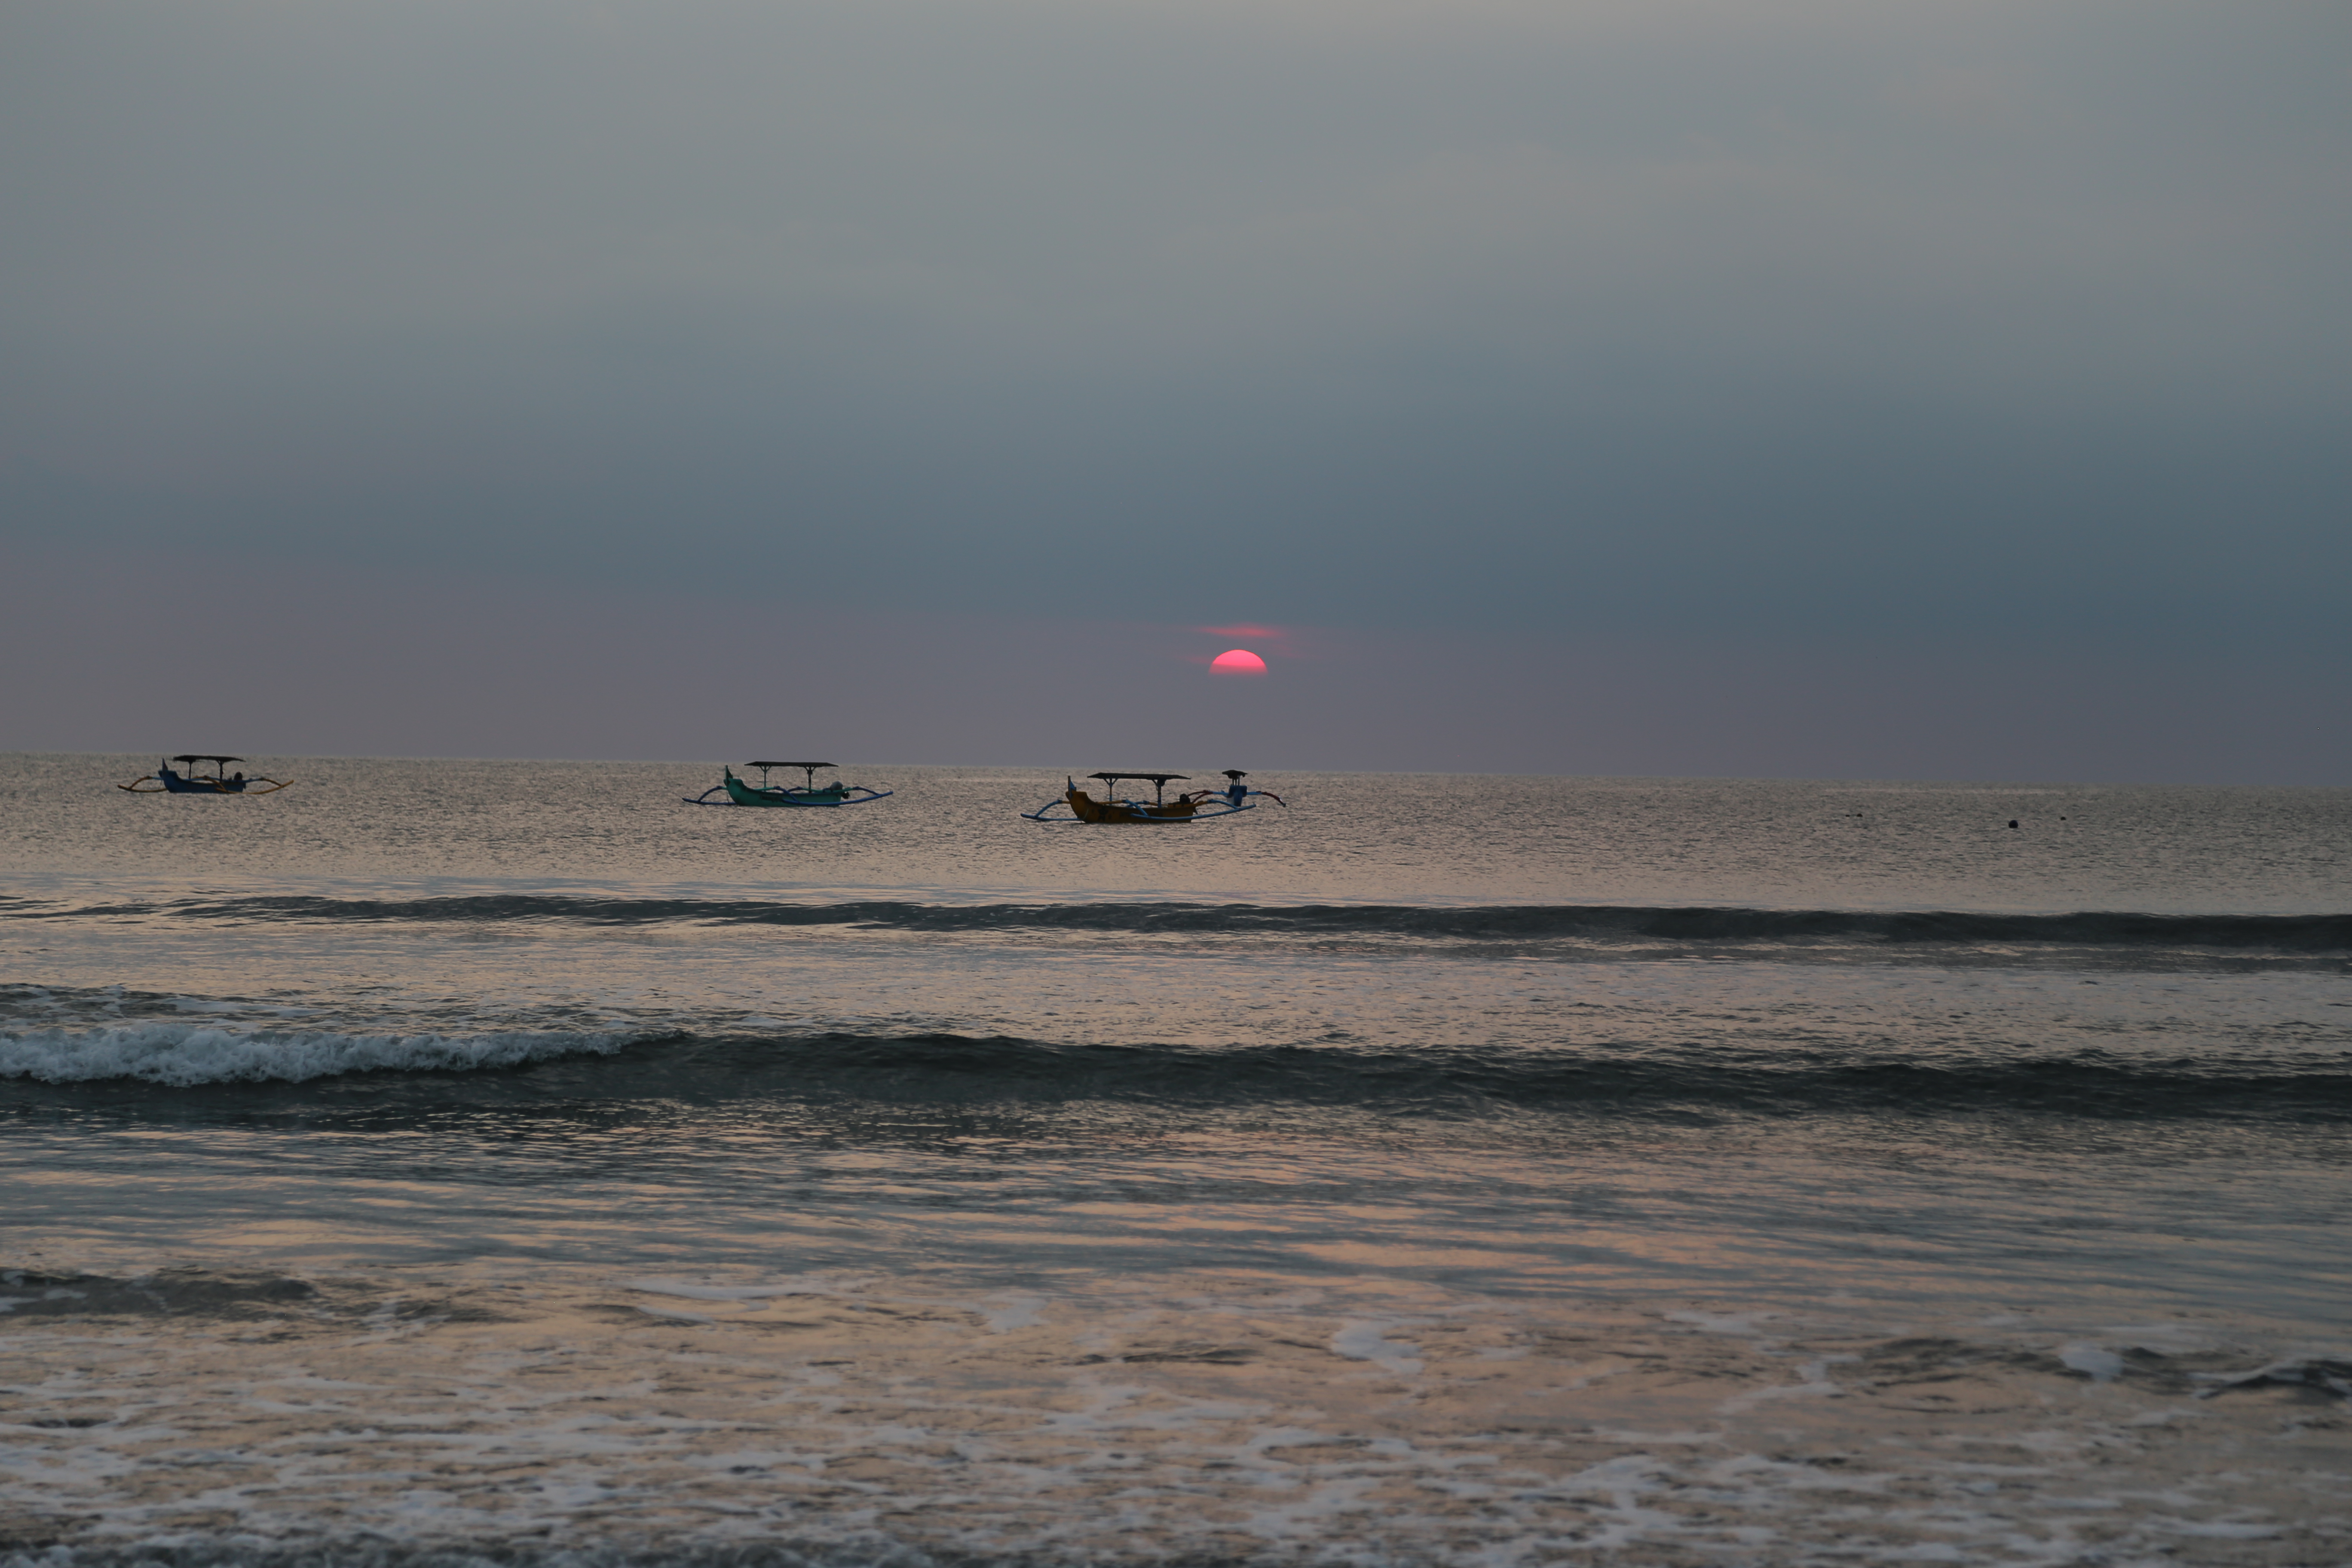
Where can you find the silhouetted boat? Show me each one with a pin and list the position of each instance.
(737, 792)
(1197, 805)
(166, 781)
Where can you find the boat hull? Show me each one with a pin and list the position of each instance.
(743, 794)
(165, 781)
(737, 792)
(1116, 813)
(174, 784)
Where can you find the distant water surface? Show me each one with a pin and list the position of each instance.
(953, 835)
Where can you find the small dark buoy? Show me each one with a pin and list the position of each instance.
(2012, 822)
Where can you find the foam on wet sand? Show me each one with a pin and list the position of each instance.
(1235, 1419)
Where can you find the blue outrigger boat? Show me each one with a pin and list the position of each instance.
(166, 781)
(809, 793)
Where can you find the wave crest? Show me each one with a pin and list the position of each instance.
(185, 1055)
(1619, 925)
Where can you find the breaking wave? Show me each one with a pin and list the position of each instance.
(1601, 925)
(183, 1055)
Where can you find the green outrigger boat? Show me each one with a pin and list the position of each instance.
(808, 792)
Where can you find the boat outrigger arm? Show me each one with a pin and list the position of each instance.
(1194, 805)
(739, 793)
(163, 781)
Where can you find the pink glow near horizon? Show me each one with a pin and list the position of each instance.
(1261, 641)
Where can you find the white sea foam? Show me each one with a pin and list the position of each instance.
(674, 1313)
(1369, 1342)
(1747, 1323)
(1012, 1309)
(183, 1054)
(2093, 1362)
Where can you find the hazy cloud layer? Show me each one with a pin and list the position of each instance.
(1947, 337)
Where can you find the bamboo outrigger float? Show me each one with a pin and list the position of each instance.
(165, 781)
(809, 792)
(1195, 805)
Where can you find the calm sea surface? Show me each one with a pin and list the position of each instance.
(441, 1158)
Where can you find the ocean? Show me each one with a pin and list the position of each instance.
(460, 1162)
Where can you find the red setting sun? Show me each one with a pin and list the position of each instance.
(1238, 662)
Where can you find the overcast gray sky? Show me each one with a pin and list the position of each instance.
(1884, 389)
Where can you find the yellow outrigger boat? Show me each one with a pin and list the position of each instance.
(1195, 805)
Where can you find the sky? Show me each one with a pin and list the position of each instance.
(1889, 390)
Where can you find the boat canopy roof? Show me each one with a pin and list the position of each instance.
(1150, 778)
(204, 757)
(791, 765)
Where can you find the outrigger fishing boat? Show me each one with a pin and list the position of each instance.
(809, 793)
(1195, 805)
(163, 781)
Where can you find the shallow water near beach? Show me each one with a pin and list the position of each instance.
(445, 1159)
